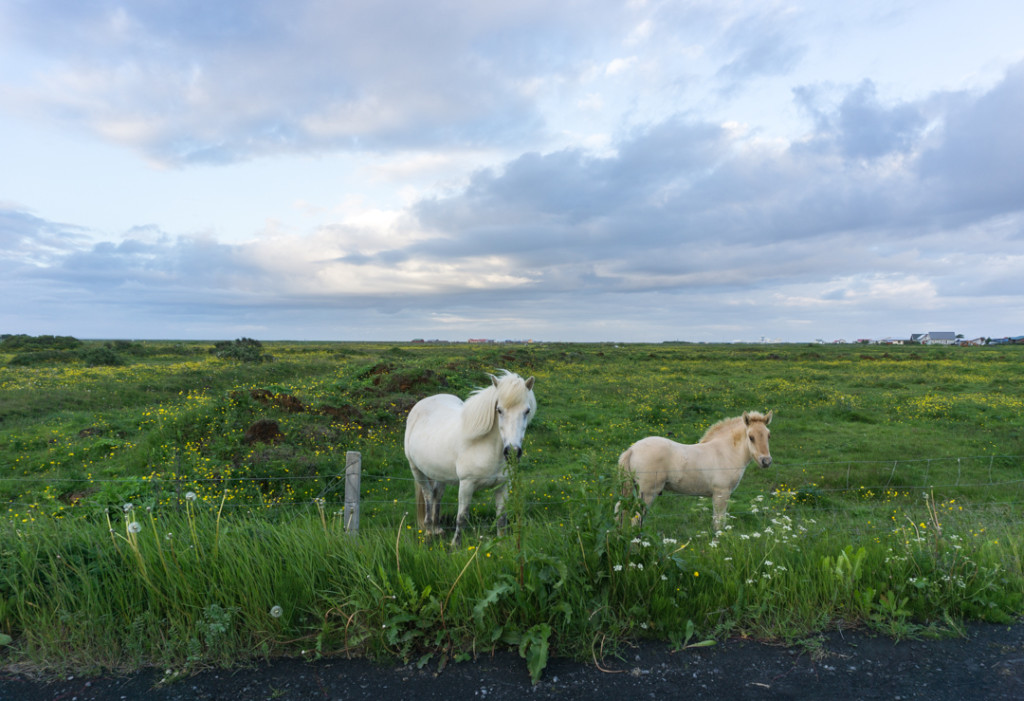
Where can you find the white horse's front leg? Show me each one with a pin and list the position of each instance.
(500, 496)
(466, 489)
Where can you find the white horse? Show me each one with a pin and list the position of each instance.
(448, 441)
(712, 468)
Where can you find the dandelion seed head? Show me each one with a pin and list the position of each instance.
(134, 527)
(276, 611)
(128, 507)
(190, 496)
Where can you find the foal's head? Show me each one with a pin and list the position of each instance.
(757, 436)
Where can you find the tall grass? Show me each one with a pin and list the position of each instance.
(186, 589)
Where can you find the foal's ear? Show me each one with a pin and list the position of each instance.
(768, 418)
(746, 418)
(529, 382)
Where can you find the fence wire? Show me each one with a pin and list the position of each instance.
(1002, 472)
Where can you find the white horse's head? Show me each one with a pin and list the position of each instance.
(757, 436)
(515, 407)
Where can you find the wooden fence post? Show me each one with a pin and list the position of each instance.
(353, 477)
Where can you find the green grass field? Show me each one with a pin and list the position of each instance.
(894, 502)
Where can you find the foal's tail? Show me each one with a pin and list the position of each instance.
(421, 506)
(626, 473)
(627, 489)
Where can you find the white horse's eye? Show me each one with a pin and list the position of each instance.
(500, 411)
(527, 412)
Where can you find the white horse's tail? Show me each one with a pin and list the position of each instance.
(421, 506)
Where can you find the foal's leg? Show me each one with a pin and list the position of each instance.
(648, 499)
(720, 502)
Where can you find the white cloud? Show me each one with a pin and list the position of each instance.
(620, 65)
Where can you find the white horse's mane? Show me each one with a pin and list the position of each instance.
(478, 412)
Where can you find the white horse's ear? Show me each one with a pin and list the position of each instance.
(529, 382)
(768, 418)
(494, 380)
(746, 418)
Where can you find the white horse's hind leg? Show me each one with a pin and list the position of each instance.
(431, 492)
(436, 492)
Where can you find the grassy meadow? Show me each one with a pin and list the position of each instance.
(149, 522)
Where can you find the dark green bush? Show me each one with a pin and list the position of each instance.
(24, 342)
(247, 350)
(101, 355)
(42, 357)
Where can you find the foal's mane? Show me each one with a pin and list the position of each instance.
(732, 425)
(478, 412)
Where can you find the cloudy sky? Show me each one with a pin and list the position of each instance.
(703, 170)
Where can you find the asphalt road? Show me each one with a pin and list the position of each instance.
(988, 663)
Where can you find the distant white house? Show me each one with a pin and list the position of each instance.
(935, 338)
